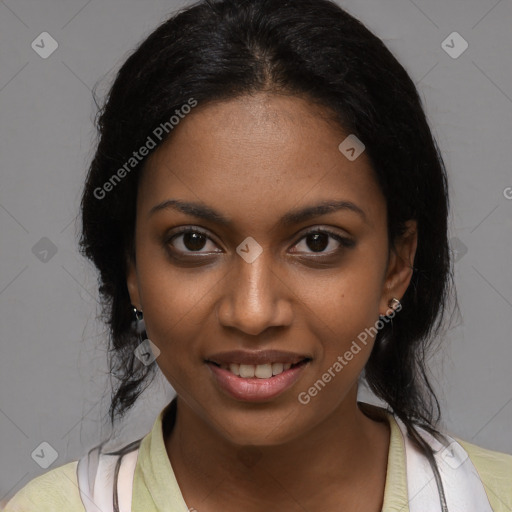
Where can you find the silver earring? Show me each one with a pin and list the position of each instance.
(394, 303)
(140, 326)
(146, 350)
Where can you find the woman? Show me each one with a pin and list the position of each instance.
(267, 209)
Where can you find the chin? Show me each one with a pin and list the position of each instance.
(260, 428)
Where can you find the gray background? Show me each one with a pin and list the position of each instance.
(54, 384)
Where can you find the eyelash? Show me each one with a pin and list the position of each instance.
(344, 242)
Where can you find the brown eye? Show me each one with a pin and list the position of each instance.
(318, 240)
(194, 241)
(190, 241)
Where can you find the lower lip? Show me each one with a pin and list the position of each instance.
(254, 389)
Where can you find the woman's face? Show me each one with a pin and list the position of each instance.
(256, 280)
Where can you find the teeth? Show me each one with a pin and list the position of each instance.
(261, 371)
(247, 370)
(234, 368)
(277, 368)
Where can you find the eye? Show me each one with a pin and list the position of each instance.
(317, 240)
(190, 241)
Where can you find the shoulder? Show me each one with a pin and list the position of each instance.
(55, 490)
(495, 471)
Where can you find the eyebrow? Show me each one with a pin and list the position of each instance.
(202, 211)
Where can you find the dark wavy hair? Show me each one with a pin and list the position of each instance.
(217, 50)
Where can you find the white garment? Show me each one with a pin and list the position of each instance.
(463, 489)
(97, 482)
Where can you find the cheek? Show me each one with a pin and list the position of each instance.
(171, 293)
(346, 301)
(344, 309)
(174, 302)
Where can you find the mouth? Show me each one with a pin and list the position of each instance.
(259, 371)
(256, 377)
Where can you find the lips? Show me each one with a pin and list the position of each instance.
(262, 357)
(256, 376)
(256, 389)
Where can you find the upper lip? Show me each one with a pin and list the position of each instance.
(256, 357)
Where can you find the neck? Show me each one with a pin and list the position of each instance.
(341, 455)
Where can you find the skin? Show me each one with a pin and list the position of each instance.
(254, 159)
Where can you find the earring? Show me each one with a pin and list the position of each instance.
(146, 350)
(394, 303)
(140, 326)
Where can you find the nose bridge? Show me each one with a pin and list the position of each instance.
(255, 281)
(253, 299)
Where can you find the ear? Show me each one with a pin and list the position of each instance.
(400, 267)
(132, 282)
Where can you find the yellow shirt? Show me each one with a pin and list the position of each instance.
(155, 488)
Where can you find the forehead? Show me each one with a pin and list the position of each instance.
(257, 155)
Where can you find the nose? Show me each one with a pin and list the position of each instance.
(255, 296)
